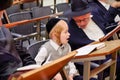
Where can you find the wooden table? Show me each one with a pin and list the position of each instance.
(111, 48)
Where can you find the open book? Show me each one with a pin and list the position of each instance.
(28, 67)
(45, 72)
(89, 48)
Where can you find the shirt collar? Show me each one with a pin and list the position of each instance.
(105, 4)
(54, 45)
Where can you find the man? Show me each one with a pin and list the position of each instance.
(83, 26)
(99, 10)
(11, 56)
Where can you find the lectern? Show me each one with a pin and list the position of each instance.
(47, 71)
(111, 48)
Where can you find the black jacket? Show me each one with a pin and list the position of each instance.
(11, 56)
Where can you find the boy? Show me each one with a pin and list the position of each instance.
(57, 46)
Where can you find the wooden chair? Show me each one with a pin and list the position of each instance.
(13, 9)
(18, 23)
(22, 30)
(28, 5)
(61, 7)
(34, 48)
(39, 12)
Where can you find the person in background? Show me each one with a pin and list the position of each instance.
(11, 56)
(83, 26)
(100, 8)
(106, 5)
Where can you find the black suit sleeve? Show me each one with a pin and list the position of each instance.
(25, 56)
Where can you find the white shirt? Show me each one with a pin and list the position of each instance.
(43, 53)
(93, 31)
(41, 57)
(105, 4)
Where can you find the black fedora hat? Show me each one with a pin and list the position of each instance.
(4, 4)
(78, 8)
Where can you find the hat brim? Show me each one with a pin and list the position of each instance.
(70, 13)
(5, 4)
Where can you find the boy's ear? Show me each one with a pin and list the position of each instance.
(54, 34)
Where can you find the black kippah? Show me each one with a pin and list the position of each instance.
(51, 23)
(4, 4)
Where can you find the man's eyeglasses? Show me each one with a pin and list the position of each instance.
(83, 20)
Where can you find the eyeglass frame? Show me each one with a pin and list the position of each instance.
(84, 20)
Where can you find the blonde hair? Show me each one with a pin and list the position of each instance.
(57, 29)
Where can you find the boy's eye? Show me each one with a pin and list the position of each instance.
(66, 31)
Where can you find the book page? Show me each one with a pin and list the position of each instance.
(89, 48)
(99, 45)
(28, 67)
(85, 50)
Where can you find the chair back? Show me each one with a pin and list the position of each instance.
(34, 48)
(22, 29)
(13, 9)
(41, 11)
(29, 5)
(61, 7)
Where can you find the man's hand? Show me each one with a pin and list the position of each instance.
(116, 4)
